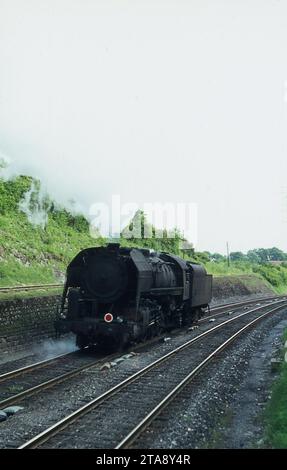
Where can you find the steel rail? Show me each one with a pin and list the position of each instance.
(251, 301)
(43, 363)
(30, 287)
(239, 305)
(67, 375)
(63, 423)
(30, 367)
(54, 381)
(140, 428)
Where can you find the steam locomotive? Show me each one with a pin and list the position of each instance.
(115, 295)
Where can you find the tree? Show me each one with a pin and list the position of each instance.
(216, 257)
(263, 255)
(237, 256)
(277, 255)
(254, 257)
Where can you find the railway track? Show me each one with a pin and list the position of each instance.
(30, 287)
(247, 302)
(39, 376)
(9, 373)
(228, 308)
(160, 381)
(45, 374)
(157, 411)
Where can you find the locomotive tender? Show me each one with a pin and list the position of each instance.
(115, 295)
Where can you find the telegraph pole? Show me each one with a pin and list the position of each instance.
(228, 256)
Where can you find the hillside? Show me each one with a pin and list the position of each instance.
(31, 253)
(38, 238)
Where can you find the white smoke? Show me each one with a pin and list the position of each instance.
(75, 207)
(5, 161)
(39, 198)
(51, 348)
(34, 205)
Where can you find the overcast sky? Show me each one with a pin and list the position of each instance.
(182, 101)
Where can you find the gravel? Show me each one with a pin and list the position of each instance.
(3, 416)
(223, 407)
(209, 405)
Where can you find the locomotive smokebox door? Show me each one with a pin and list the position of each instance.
(105, 276)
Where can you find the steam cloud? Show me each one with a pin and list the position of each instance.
(37, 201)
(33, 205)
(51, 348)
(133, 109)
(4, 166)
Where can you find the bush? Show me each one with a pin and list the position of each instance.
(12, 191)
(276, 275)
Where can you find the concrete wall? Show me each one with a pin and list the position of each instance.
(26, 321)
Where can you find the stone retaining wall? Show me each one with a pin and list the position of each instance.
(26, 321)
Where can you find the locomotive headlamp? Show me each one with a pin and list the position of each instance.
(108, 317)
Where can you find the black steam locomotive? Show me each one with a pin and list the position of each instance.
(114, 296)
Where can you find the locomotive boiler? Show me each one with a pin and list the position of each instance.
(116, 295)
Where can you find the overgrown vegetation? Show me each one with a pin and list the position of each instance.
(30, 253)
(36, 252)
(274, 275)
(276, 411)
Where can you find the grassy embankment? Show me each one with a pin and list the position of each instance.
(276, 412)
(275, 277)
(31, 254)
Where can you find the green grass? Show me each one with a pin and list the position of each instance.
(276, 411)
(222, 269)
(274, 277)
(30, 254)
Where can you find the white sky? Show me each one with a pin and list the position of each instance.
(182, 101)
